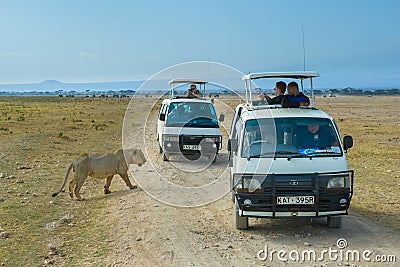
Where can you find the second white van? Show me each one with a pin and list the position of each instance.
(188, 126)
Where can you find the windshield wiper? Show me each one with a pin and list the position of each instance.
(300, 156)
(175, 124)
(270, 153)
(312, 154)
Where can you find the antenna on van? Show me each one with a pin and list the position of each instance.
(304, 48)
(304, 68)
(208, 76)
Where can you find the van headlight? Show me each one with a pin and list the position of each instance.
(336, 182)
(170, 138)
(339, 182)
(251, 184)
(213, 139)
(247, 184)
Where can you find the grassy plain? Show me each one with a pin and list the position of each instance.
(39, 136)
(374, 124)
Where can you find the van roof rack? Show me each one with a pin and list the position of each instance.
(299, 75)
(186, 97)
(174, 82)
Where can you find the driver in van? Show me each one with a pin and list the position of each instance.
(179, 114)
(315, 137)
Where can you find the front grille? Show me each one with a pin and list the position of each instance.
(289, 184)
(197, 140)
(190, 140)
(298, 185)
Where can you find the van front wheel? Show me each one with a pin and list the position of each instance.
(334, 221)
(164, 156)
(212, 158)
(241, 222)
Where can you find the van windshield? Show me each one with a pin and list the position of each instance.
(290, 137)
(192, 114)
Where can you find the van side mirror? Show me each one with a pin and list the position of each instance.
(221, 117)
(232, 145)
(347, 142)
(162, 117)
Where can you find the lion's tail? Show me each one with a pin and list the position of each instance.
(65, 179)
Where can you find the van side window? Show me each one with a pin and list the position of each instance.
(234, 121)
(238, 129)
(163, 109)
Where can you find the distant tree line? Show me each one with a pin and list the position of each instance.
(353, 91)
(122, 93)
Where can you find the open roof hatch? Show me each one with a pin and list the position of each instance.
(299, 75)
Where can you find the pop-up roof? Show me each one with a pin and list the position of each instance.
(299, 75)
(202, 84)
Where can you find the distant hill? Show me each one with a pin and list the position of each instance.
(53, 85)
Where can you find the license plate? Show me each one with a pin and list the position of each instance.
(192, 147)
(297, 200)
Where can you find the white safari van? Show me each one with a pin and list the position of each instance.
(287, 162)
(188, 125)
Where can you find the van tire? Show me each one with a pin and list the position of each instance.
(164, 156)
(160, 150)
(213, 157)
(334, 221)
(192, 157)
(241, 222)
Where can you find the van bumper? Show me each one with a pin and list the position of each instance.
(289, 211)
(290, 214)
(207, 146)
(264, 202)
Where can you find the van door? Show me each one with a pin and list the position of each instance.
(161, 122)
(238, 137)
(234, 155)
(233, 136)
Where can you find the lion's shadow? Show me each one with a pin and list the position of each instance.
(113, 195)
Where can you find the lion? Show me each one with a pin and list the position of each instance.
(100, 167)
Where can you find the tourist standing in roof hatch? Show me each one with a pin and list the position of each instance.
(294, 98)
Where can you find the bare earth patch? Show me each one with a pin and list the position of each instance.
(39, 136)
(148, 232)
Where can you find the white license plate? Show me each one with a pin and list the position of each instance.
(297, 200)
(192, 147)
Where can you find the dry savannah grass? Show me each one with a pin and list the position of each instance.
(39, 136)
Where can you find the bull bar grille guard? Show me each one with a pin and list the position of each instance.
(315, 191)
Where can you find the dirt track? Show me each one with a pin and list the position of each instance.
(150, 233)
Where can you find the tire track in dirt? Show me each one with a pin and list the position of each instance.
(150, 233)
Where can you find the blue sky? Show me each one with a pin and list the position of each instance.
(350, 43)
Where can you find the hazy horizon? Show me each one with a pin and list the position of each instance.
(51, 86)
